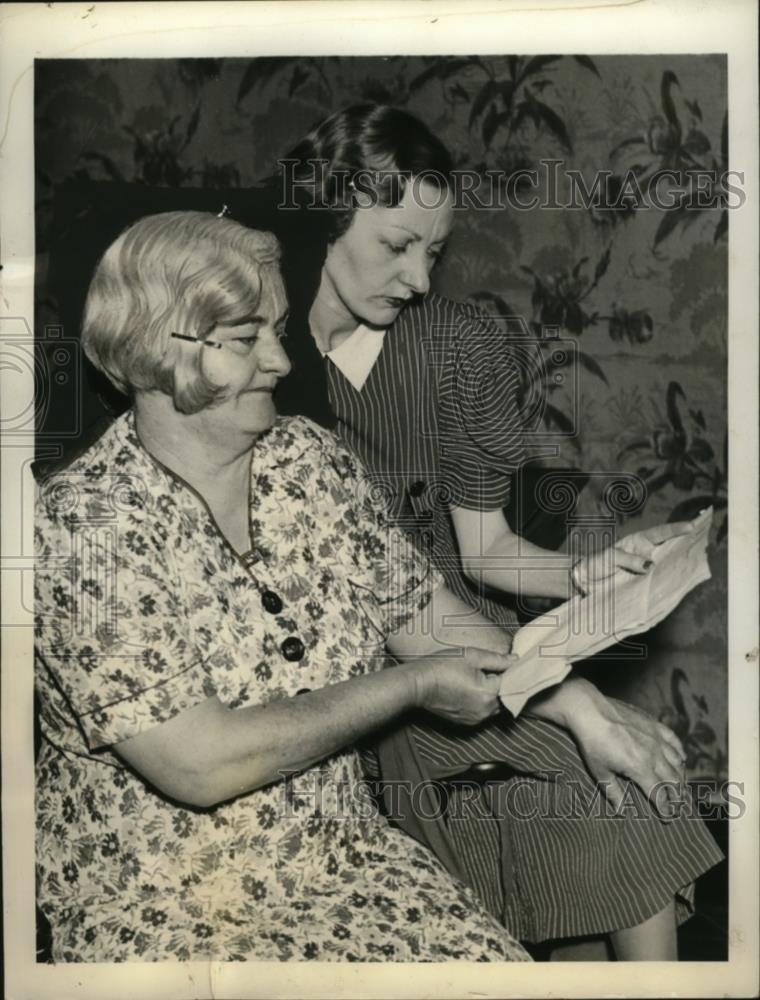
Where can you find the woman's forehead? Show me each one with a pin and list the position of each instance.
(426, 211)
(273, 297)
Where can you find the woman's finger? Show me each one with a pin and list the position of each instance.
(487, 659)
(630, 562)
(662, 532)
(673, 757)
(667, 798)
(667, 734)
(613, 790)
(667, 772)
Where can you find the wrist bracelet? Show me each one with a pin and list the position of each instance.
(576, 584)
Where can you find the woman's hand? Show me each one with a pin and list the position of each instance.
(211, 753)
(619, 741)
(633, 553)
(463, 689)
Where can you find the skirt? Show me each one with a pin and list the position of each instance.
(539, 846)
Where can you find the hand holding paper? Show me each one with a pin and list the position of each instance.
(625, 604)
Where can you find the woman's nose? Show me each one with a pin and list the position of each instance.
(275, 359)
(416, 276)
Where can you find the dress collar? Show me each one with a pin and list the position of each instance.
(356, 356)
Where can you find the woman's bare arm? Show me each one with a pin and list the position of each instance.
(492, 553)
(211, 753)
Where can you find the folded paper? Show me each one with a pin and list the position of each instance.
(624, 604)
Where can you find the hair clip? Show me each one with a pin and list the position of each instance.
(224, 212)
(197, 340)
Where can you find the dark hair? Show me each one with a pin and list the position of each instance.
(366, 150)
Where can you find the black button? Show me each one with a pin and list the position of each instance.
(417, 488)
(292, 648)
(272, 602)
(303, 691)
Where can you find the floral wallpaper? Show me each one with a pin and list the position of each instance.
(634, 294)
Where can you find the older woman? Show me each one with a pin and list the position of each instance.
(213, 603)
(424, 390)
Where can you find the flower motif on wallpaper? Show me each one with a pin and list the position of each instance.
(157, 152)
(667, 144)
(698, 290)
(680, 456)
(560, 300)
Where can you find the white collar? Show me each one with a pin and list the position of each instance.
(355, 357)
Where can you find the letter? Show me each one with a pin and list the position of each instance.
(588, 198)
(666, 808)
(365, 184)
(701, 792)
(582, 807)
(339, 195)
(706, 196)
(512, 788)
(361, 797)
(737, 800)
(551, 184)
(465, 182)
(512, 202)
(629, 189)
(555, 796)
(315, 185)
(497, 179)
(732, 189)
(466, 791)
(631, 800)
(434, 180)
(653, 188)
(392, 797)
(290, 794)
(418, 796)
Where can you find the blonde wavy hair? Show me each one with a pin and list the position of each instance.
(177, 272)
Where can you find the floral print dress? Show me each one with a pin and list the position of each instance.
(143, 611)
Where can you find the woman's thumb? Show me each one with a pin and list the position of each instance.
(486, 659)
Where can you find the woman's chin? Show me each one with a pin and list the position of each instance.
(381, 316)
(257, 418)
(265, 420)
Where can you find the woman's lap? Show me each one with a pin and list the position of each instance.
(399, 907)
(571, 868)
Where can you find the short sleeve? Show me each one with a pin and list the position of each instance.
(398, 578)
(111, 627)
(480, 424)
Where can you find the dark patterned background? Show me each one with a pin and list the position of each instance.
(643, 293)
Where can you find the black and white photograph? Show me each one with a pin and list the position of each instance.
(376, 589)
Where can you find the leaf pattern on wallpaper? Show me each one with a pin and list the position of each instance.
(295, 71)
(509, 99)
(670, 144)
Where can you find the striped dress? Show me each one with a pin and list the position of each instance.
(437, 423)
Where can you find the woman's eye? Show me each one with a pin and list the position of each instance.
(242, 344)
(397, 248)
